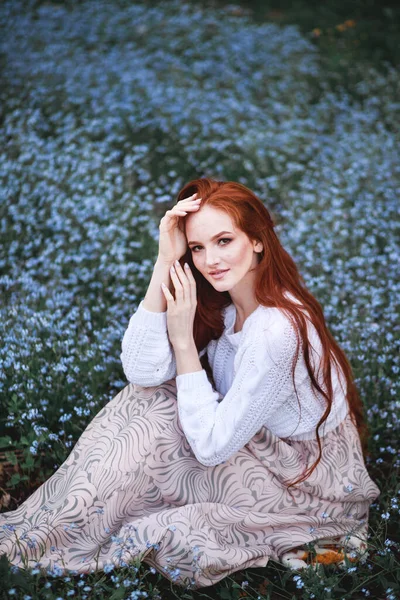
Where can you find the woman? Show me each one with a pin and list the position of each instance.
(238, 438)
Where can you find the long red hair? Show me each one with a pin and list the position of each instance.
(276, 273)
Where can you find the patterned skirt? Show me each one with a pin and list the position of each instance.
(132, 489)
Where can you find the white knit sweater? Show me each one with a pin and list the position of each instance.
(252, 370)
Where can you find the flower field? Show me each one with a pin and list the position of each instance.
(106, 110)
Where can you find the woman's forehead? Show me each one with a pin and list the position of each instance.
(207, 222)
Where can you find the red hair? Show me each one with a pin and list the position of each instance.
(276, 273)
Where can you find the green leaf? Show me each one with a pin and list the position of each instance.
(16, 478)
(22, 579)
(5, 441)
(4, 570)
(225, 594)
(29, 461)
(118, 594)
(11, 457)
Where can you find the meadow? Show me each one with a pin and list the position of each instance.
(106, 110)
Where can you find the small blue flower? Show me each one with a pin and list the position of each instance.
(108, 568)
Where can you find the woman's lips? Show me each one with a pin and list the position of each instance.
(219, 275)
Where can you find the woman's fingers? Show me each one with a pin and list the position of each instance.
(178, 210)
(187, 205)
(179, 290)
(167, 293)
(189, 202)
(192, 283)
(174, 212)
(184, 282)
(189, 198)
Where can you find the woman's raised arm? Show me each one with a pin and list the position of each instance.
(154, 299)
(147, 355)
(172, 245)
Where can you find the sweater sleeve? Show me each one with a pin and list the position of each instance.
(147, 356)
(217, 430)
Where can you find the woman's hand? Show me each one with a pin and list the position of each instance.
(172, 243)
(181, 311)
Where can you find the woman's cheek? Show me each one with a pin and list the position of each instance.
(197, 263)
(236, 256)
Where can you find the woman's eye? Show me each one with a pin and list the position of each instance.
(220, 240)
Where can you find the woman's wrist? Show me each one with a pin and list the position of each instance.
(183, 345)
(163, 262)
(186, 357)
(154, 300)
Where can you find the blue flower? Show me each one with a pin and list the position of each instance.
(108, 568)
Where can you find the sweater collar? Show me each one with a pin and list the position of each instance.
(230, 319)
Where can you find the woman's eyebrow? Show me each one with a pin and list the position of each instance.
(213, 237)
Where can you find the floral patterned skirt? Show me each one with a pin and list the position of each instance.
(132, 488)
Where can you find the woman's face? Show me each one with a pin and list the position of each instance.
(213, 250)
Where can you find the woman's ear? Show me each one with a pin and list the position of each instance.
(258, 246)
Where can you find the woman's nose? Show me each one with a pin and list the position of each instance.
(212, 261)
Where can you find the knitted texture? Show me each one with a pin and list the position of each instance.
(147, 356)
(218, 423)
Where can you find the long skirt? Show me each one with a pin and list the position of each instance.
(132, 489)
